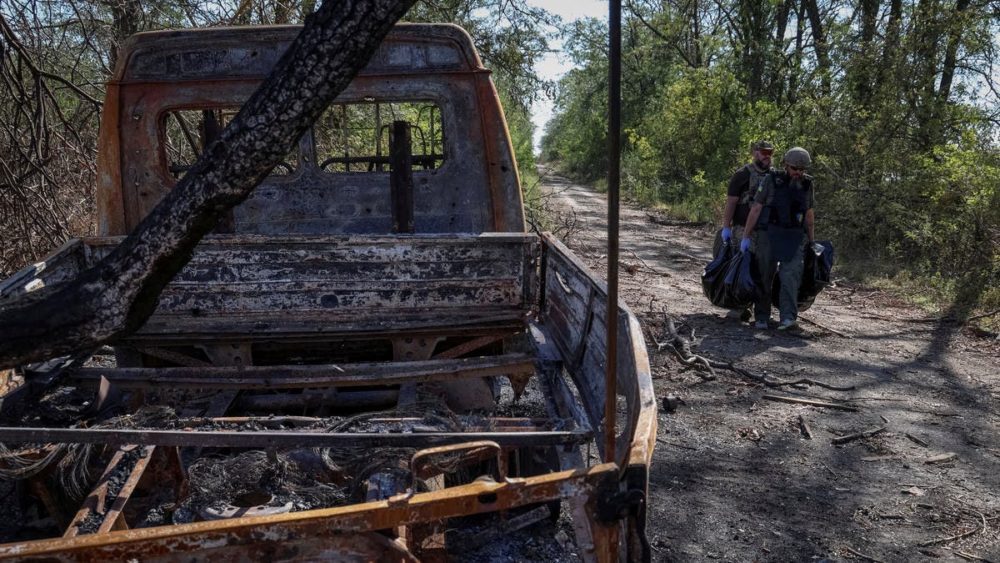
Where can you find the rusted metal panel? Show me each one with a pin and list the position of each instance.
(221, 53)
(311, 376)
(202, 541)
(108, 193)
(476, 190)
(259, 285)
(577, 321)
(303, 327)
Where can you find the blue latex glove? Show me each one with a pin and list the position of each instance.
(744, 245)
(727, 235)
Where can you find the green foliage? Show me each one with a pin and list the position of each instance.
(906, 151)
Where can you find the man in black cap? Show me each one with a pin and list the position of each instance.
(743, 185)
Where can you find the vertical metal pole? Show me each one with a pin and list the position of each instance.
(401, 178)
(614, 181)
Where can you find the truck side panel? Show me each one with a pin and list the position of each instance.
(574, 308)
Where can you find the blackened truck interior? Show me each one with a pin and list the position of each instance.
(320, 381)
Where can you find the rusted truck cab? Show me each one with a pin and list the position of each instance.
(353, 308)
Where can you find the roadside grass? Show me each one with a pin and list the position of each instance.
(933, 294)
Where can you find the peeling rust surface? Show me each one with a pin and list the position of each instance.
(276, 285)
(575, 313)
(309, 260)
(476, 190)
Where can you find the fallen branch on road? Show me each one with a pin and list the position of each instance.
(810, 402)
(681, 347)
(675, 223)
(826, 328)
(970, 557)
(957, 536)
(857, 436)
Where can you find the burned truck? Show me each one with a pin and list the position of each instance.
(371, 358)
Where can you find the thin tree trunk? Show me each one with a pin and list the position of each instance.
(118, 294)
(927, 34)
(820, 45)
(951, 51)
(778, 57)
(892, 33)
(865, 68)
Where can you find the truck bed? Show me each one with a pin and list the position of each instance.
(316, 329)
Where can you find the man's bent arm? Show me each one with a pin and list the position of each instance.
(727, 216)
(752, 219)
(811, 225)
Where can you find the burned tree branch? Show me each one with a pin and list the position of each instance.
(116, 296)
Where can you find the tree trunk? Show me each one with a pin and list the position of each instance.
(755, 17)
(891, 47)
(819, 44)
(864, 75)
(118, 294)
(955, 27)
(779, 62)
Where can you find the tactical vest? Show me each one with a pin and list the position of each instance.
(787, 205)
(746, 196)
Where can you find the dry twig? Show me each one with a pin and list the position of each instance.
(826, 328)
(970, 557)
(857, 436)
(810, 402)
(957, 536)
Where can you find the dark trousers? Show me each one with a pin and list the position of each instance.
(788, 271)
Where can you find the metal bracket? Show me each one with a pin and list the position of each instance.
(617, 506)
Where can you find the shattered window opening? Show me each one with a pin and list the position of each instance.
(355, 137)
(187, 132)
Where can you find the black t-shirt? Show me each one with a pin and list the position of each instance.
(739, 186)
(739, 182)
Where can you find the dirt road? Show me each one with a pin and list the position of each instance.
(734, 477)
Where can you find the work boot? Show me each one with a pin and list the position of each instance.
(788, 324)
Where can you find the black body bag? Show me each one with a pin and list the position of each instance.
(816, 275)
(740, 286)
(713, 278)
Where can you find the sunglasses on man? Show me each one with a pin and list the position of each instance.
(765, 152)
(795, 168)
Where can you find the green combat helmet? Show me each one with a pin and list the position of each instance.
(797, 157)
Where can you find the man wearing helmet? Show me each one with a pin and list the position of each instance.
(783, 213)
